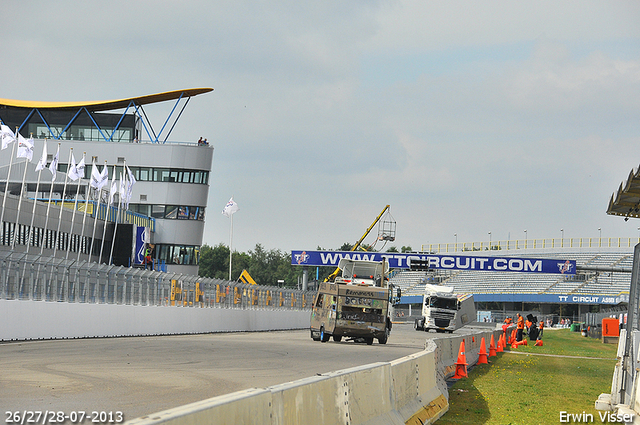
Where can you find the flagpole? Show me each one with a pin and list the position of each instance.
(6, 186)
(115, 229)
(120, 201)
(64, 190)
(84, 217)
(95, 221)
(229, 210)
(230, 245)
(35, 201)
(75, 207)
(108, 210)
(24, 178)
(46, 220)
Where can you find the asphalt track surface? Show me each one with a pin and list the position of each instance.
(143, 375)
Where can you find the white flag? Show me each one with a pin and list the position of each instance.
(80, 168)
(42, 164)
(76, 171)
(104, 175)
(73, 170)
(114, 188)
(53, 167)
(95, 176)
(25, 148)
(130, 183)
(6, 135)
(230, 208)
(123, 189)
(99, 179)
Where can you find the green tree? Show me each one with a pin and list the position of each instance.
(214, 262)
(346, 247)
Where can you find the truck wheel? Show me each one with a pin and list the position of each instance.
(314, 336)
(337, 338)
(324, 337)
(383, 339)
(369, 341)
(417, 325)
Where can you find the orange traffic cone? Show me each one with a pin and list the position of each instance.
(538, 343)
(482, 355)
(500, 348)
(513, 336)
(516, 344)
(492, 347)
(461, 363)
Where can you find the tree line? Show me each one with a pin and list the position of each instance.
(266, 267)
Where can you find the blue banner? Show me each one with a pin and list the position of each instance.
(437, 261)
(142, 238)
(534, 298)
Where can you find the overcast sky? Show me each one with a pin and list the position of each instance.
(466, 117)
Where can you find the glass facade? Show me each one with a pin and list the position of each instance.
(79, 132)
(177, 254)
(170, 175)
(172, 212)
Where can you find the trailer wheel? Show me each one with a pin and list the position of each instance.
(324, 337)
(369, 341)
(337, 338)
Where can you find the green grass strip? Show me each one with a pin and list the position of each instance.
(521, 387)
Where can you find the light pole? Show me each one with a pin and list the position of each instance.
(489, 240)
(456, 236)
(525, 238)
(562, 238)
(600, 238)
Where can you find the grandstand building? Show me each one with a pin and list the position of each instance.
(602, 279)
(169, 196)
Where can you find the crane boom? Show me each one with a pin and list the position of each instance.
(333, 275)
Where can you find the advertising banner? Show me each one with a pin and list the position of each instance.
(142, 238)
(438, 261)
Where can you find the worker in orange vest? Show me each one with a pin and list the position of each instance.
(519, 327)
(540, 329)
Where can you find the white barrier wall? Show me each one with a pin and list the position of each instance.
(410, 390)
(24, 320)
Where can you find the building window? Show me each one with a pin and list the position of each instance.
(170, 175)
(177, 254)
(171, 212)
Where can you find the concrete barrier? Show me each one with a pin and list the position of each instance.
(624, 400)
(25, 320)
(410, 390)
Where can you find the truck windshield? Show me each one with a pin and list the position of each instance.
(446, 303)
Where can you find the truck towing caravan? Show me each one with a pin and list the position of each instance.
(356, 305)
(442, 309)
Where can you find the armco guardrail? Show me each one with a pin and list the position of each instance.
(410, 390)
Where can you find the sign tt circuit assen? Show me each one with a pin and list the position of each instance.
(436, 261)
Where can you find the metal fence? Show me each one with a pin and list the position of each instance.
(29, 277)
(549, 243)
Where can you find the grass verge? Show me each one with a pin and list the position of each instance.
(521, 387)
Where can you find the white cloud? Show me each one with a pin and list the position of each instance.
(466, 118)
